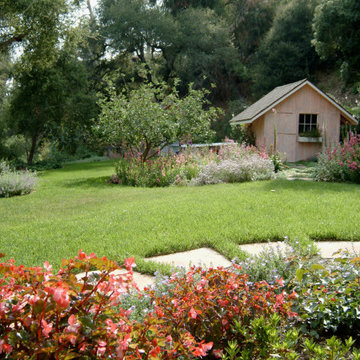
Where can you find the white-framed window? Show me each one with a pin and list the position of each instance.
(307, 123)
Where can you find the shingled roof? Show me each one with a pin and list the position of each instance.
(276, 96)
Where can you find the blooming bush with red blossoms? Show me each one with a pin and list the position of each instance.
(208, 304)
(46, 315)
(340, 163)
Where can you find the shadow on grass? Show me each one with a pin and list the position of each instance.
(304, 185)
(94, 182)
(87, 166)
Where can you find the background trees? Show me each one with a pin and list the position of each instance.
(53, 61)
(286, 53)
(336, 35)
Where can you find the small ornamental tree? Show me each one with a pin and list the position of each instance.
(147, 119)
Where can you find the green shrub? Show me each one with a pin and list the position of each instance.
(272, 339)
(328, 169)
(14, 182)
(329, 297)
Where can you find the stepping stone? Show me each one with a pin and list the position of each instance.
(140, 280)
(200, 257)
(300, 178)
(328, 248)
(256, 249)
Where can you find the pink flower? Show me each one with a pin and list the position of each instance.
(73, 324)
(46, 328)
(194, 313)
(60, 295)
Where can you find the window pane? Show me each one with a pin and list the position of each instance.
(307, 122)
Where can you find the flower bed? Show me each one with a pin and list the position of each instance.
(218, 313)
(234, 163)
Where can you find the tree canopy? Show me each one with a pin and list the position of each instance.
(336, 34)
(153, 116)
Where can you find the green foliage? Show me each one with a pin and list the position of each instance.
(286, 54)
(311, 133)
(336, 36)
(269, 338)
(176, 6)
(328, 299)
(15, 147)
(153, 117)
(277, 162)
(204, 53)
(49, 102)
(250, 20)
(287, 345)
(37, 25)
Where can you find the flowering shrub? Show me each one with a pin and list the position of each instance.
(14, 182)
(161, 171)
(56, 316)
(215, 312)
(341, 163)
(209, 303)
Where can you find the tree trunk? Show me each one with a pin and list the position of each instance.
(91, 13)
(34, 141)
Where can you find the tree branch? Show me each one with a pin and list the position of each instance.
(8, 42)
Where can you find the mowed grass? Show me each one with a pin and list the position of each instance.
(75, 208)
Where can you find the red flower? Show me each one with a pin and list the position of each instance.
(154, 352)
(202, 349)
(129, 263)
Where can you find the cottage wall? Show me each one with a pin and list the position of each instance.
(286, 118)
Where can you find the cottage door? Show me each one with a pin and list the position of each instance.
(286, 134)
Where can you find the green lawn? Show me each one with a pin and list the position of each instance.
(75, 208)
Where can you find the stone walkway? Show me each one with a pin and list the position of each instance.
(210, 258)
(299, 172)
(200, 257)
(327, 249)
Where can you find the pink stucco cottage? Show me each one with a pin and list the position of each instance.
(302, 116)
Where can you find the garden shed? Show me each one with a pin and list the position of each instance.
(296, 119)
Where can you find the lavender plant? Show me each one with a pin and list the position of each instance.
(250, 168)
(13, 182)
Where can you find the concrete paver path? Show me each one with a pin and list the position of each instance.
(210, 258)
(141, 280)
(203, 256)
(326, 248)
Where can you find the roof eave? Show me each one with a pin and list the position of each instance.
(240, 122)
